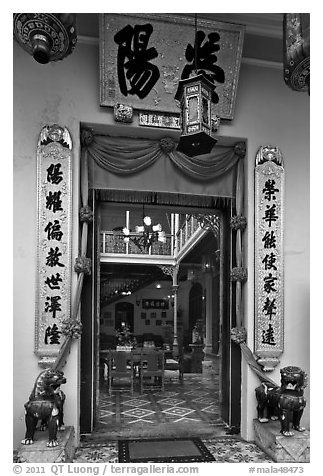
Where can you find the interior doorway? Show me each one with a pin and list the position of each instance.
(195, 306)
(124, 315)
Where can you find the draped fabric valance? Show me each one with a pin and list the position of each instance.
(112, 161)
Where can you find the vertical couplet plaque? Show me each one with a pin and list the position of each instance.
(269, 279)
(53, 299)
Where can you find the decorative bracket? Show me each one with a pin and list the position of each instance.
(209, 222)
(168, 270)
(269, 279)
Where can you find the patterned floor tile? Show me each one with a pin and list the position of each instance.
(136, 402)
(137, 412)
(178, 411)
(211, 409)
(106, 413)
(170, 401)
(204, 400)
(197, 392)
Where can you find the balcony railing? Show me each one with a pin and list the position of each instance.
(113, 243)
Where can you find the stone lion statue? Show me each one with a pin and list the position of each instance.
(45, 403)
(286, 402)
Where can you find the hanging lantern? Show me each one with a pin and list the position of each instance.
(194, 95)
(45, 36)
(297, 51)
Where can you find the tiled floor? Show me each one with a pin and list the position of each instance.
(191, 409)
(195, 401)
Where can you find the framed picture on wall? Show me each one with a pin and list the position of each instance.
(164, 314)
(143, 315)
(147, 322)
(155, 303)
(107, 315)
(158, 322)
(153, 315)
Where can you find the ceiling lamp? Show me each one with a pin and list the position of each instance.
(297, 51)
(194, 95)
(190, 274)
(145, 235)
(45, 36)
(207, 264)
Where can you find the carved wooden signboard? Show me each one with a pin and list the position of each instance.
(143, 57)
(54, 177)
(269, 278)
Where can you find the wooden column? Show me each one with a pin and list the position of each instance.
(175, 292)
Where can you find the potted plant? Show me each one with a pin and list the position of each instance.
(125, 338)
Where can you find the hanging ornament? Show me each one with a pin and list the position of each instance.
(45, 36)
(195, 96)
(297, 51)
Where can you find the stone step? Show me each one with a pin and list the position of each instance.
(38, 452)
(282, 449)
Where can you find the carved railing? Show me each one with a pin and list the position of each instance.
(186, 231)
(113, 243)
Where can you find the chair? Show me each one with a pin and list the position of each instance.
(120, 366)
(151, 368)
(175, 364)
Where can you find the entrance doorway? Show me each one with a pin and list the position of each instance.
(117, 260)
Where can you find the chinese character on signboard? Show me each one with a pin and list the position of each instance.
(269, 319)
(54, 238)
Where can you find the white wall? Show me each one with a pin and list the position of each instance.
(67, 92)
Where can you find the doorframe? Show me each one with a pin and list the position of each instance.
(89, 355)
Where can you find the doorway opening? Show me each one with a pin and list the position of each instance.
(134, 286)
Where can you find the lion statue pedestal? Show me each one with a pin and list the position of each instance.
(45, 404)
(285, 403)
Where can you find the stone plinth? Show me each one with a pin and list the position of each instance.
(282, 449)
(38, 452)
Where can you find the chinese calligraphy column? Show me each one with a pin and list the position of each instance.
(269, 279)
(54, 177)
